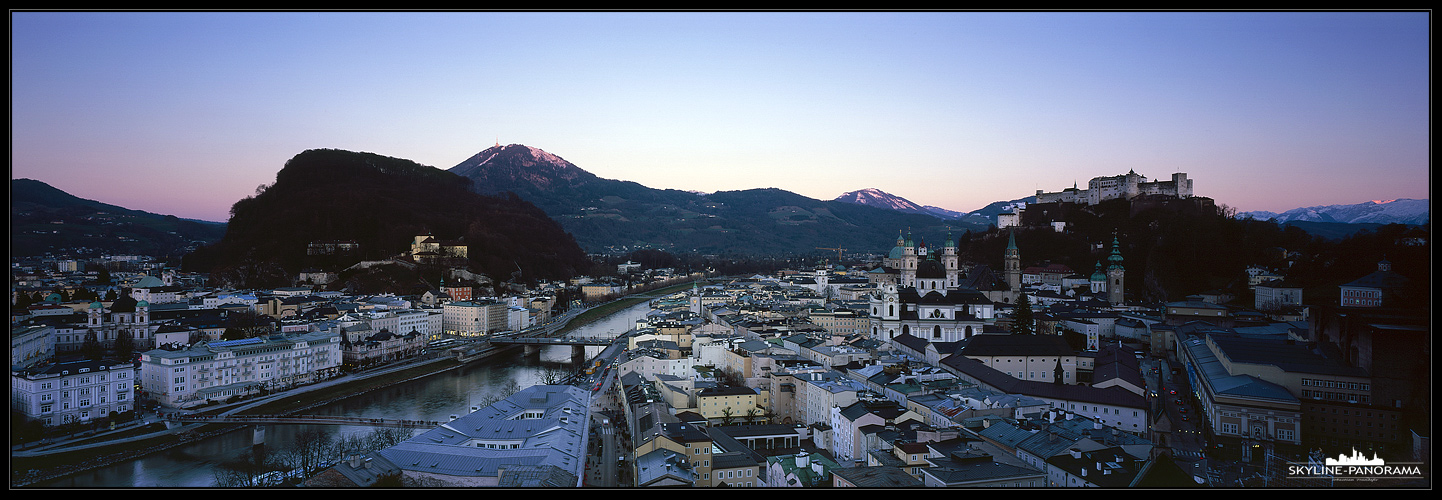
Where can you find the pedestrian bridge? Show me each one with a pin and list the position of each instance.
(302, 419)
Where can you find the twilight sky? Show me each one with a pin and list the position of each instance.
(185, 113)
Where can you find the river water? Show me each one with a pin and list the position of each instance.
(434, 398)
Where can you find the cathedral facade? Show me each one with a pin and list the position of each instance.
(920, 294)
(126, 317)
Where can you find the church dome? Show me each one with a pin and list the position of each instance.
(124, 304)
(930, 269)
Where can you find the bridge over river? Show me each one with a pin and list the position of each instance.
(573, 341)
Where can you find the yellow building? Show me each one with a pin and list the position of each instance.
(727, 405)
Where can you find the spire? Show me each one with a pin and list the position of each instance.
(1116, 257)
(1011, 243)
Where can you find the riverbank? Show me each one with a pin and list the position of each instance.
(62, 459)
(596, 313)
(40, 464)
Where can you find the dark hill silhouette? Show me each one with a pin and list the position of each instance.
(381, 203)
(46, 219)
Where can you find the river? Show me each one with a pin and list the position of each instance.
(435, 398)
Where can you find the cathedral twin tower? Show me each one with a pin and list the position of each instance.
(918, 267)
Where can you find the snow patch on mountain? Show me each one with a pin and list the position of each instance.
(881, 199)
(1399, 211)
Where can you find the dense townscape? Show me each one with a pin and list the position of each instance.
(909, 368)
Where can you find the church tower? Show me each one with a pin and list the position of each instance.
(909, 261)
(1116, 275)
(695, 298)
(949, 262)
(1011, 264)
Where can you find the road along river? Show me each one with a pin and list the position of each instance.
(435, 398)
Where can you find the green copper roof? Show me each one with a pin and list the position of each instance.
(1116, 256)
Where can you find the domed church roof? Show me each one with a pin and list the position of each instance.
(930, 269)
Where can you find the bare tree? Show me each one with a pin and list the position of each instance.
(309, 452)
(505, 391)
(245, 471)
(554, 375)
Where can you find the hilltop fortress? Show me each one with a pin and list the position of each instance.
(1126, 186)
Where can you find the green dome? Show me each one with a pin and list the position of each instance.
(896, 253)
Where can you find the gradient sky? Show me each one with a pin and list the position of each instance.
(185, 113)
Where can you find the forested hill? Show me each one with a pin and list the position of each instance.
(44, 219)
(381, 203)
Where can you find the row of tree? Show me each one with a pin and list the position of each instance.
(312, 451)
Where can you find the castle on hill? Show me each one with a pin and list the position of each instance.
(1125, 186)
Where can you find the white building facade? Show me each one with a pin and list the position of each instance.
(216, 371)
(79, 391)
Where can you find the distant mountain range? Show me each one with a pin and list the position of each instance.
(1332, 221)
(611, 215)
(44, 219)
(1401, 211)
(873, 197)
(616, 216)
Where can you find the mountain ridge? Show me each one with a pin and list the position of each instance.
(44, 218)
(608, 215)
(1400, 211)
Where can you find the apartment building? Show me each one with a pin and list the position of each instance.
(73, 391)
(216, 371)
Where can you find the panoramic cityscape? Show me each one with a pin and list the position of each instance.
(1122, 250)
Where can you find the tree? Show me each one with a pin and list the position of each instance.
(245, 470)
(91, 348)
(1024, 324)
(554, 375)
(308, 452)
(124, 346)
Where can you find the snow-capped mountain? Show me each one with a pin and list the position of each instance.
(944, 213)
(881, 199)
(1401, 211)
